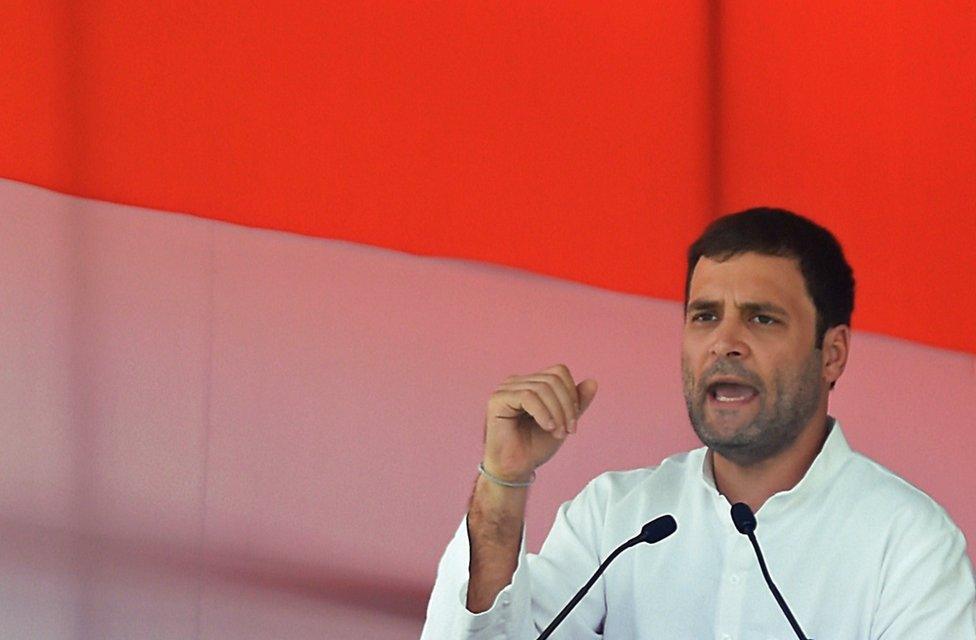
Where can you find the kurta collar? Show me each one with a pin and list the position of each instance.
(829, 460)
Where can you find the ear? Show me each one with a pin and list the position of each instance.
(836, 347)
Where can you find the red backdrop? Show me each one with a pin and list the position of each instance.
(590, 141)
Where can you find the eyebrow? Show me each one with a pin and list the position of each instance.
(753, 307)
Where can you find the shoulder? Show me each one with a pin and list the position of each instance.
(667, 477)
(883, 495)
(615, 504)
(917, 553)
(881, 510)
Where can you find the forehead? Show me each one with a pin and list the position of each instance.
(751, 277)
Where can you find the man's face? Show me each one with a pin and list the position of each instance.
(752, 377)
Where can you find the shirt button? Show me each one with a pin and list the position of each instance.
(734, 579)
(726, 636)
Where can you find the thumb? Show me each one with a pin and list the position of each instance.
(587, 391)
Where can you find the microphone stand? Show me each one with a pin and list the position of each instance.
(654, 531)
(745, 523)
(776, 593)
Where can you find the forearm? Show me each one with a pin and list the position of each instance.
(495, 520)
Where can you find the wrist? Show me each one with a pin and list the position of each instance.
(509, 481)
(496, 512)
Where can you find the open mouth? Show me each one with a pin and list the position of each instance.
(731, 392)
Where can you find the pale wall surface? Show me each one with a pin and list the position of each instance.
(209, 431)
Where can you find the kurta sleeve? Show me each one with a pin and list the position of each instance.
(541, 586)
(447, 616)
(928, 587)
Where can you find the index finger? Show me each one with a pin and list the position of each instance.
(562, 371)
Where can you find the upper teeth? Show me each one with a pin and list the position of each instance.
(722, 398)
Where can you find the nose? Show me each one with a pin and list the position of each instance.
(727, 341)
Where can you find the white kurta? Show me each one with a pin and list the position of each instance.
(857, 552)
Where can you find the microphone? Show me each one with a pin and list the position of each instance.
(654, 531)
(745, 523)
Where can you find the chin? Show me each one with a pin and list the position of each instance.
(741, 443)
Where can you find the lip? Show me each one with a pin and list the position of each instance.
(711, 399)
(729, 380)
(729, 404)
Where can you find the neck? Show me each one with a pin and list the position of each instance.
(754, 484)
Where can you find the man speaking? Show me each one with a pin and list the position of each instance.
(856, 552)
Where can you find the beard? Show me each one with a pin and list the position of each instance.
(796, 396)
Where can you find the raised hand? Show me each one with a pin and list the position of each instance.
(529, 417)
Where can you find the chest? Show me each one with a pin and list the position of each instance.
(708, 583)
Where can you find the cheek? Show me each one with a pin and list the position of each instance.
(784, 369)
(689, 373)
(687, 362)
(691, 350)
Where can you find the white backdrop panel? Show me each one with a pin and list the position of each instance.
(218, 432)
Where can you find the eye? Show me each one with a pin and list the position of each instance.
(764, 320)
(703, 316)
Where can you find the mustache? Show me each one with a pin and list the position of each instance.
(729, 368)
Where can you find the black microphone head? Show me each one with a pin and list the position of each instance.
(743, 518)
(658, 529)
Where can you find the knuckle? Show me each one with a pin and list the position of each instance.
(500, 392)
(550, 378)
(558, 385)
(541, 388)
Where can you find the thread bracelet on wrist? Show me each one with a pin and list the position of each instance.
(504, 483)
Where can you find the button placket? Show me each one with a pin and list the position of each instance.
(730, 596)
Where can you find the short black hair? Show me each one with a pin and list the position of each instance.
(828, 277)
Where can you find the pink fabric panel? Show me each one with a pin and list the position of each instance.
(913, 408)
(218, 432)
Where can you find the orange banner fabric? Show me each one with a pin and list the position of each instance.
(589, 141)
